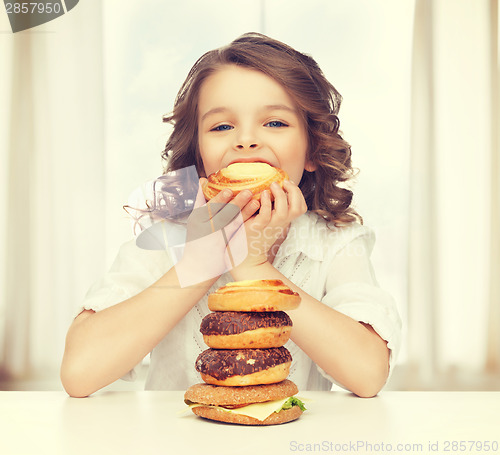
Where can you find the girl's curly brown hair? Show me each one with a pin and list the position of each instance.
(318, 102)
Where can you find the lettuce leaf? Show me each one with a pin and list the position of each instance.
(292, 401)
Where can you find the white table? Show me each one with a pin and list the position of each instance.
(37, 423)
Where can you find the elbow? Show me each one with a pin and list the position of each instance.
(372, 382)
(75, 389)
(364, 382)
(74, 372)
(368, 390)
(74, 382)
(76, 393)
(373, 370)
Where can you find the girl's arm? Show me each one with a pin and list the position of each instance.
(103, 346)
(349, 351)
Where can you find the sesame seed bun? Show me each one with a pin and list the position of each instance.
(275, 418)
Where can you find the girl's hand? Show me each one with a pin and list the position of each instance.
(272, 221)
(214, 241)
(219, 212)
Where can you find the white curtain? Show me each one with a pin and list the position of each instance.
(52, 184)
(454, 269)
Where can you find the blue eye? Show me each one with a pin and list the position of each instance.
(222, 128)
(276, 124)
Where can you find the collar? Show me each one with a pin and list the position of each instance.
(306, 235)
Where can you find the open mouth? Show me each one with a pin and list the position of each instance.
(251, 160)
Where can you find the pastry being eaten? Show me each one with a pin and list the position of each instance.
(255, 177)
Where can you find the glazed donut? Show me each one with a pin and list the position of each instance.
(242, 367)
(254, 295)
(255, 177)
(243, 330)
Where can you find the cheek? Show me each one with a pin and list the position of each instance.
(203, 149)
(296, 175)
(294, 167)
(296, 159)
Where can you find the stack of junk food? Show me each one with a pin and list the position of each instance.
(246, 367)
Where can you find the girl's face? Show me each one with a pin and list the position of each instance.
(246, 116)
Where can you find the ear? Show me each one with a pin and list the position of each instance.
(310, 166)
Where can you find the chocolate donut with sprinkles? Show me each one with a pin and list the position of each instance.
(242, 367)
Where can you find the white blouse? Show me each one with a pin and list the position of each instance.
(331, 265)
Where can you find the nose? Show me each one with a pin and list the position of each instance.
(246, 146)
(246, 140)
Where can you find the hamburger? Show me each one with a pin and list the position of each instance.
(268, 404)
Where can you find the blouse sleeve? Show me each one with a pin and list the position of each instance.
(133, 270)
(352, 289)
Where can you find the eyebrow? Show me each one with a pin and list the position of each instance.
(268, 107)
(215, 110)
(279, 107)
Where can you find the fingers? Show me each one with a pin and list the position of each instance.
(249, 209)
(288, 204)
(240, 209)
(280, 202)
(296, 202)
(221, 198)
(242, 202)
(265, 212)
(289, 201)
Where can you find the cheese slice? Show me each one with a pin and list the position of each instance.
(259, 411)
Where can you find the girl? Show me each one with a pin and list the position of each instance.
(256, 99)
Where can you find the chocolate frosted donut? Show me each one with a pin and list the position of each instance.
(240, 367)
(241, 330)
